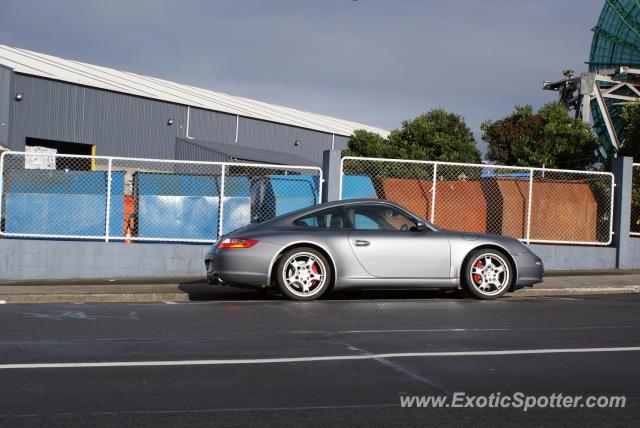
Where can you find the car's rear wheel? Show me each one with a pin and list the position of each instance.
(304, 274)
(488, 274)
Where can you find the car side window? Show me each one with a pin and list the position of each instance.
(364, 222)
(380, 217)
(329, 219)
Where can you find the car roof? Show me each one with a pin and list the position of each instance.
(326, 205)
(344, 202)
(286, 219)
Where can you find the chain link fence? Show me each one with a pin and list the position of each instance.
(635, 201)
(125, 199)
(531, 204)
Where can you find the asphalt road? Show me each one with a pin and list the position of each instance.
(210, 363)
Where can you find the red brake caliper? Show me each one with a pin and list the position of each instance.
(477, 278)
(314, 269)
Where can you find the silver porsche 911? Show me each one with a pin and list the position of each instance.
(367, 243)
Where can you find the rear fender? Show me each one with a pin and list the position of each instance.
(305, 243)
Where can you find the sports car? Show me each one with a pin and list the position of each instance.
(367, 243)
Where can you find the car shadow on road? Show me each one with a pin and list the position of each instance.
(201, 291)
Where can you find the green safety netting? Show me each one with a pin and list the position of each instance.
(616, 42)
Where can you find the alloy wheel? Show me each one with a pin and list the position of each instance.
(304, 274)
(490, 274)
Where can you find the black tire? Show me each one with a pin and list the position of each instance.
(485, 280)
(293, 281)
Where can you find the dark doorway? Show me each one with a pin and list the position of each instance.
(67, 148)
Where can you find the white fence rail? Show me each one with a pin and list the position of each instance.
(635, 201)
(127, 199)
(531, 204)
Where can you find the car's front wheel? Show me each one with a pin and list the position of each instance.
(303, 274)
(488, 274)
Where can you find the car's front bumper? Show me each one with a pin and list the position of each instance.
(530, 269)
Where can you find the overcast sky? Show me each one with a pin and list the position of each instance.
(373, 61)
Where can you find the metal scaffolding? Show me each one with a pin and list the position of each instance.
(613, 80)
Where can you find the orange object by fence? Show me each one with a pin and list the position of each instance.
(560, 210)
(563, 210)
(129, 220)
(508, 204)
(460, 205)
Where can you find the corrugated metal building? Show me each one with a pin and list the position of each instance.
(80, 108)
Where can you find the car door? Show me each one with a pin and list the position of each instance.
(385, 240)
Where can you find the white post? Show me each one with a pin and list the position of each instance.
(189, 137)
(339, 180)
(433, 192)
(320, 184)
(529, 207)
(237, 126)
(106, 223)
(221, 204)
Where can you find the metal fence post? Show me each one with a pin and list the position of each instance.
(635, 211)
(433, 192)
(332, 174)
(108, 216)
(320, 187)
(622, 168)
(529, 206)
(221, 204)
(108, 210)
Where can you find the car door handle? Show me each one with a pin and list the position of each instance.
(360, 243)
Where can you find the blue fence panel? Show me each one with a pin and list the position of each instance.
(64, 203)
(294, 192)
(237, 203)
(357, 186)
(167, 206)
(177, 206)
(116, 209)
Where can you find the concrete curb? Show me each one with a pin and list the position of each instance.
(178, 296)
(94, 298)
(576, 291)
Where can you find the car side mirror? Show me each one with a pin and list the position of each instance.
(421, 227)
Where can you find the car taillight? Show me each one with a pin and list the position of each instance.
(237, 243)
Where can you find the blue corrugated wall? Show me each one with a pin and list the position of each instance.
(63, 203)
(177, 206)
(167, 206)
(294, 192)
(357, 186)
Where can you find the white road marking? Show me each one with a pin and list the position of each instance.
(196, 411)
(315, 359)
(424, 330)
(464, 330)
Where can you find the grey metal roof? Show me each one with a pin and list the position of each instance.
(51, 67)
(250, 154)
